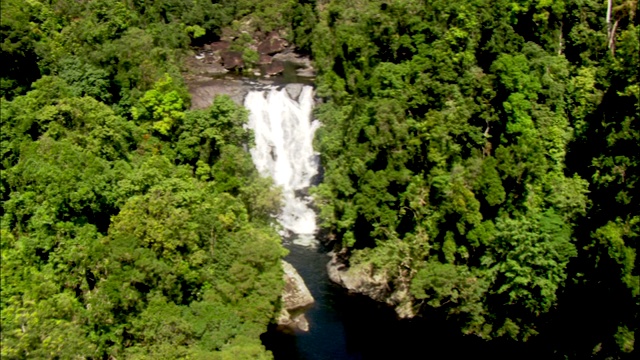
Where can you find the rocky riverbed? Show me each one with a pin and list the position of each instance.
(219, 68)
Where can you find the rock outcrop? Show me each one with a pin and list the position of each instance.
(217, 46)
(272, 44)
(294, 91)
(274, 68)
(296, 298)
(359, 279)
(273, 52)
(232, 60)
(305, 67)
(264, 59)
(364, 280)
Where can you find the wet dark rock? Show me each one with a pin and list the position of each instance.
(265, 59)
(274, 68)
(232, 60)
(217, 46)
(272, 44)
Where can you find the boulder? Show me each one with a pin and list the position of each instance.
(296, 298)
(272, 44)
(265, 59)
(217, 46)
(232, 60)
(274, 68)
(296, 295)
(294, 91)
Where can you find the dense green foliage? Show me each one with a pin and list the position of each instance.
(111, 49)
(113, 244)
(132, 227)
(485, 156)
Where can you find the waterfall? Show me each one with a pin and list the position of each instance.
(281, 120)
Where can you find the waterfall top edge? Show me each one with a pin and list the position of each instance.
(203, 88)
(294, 91)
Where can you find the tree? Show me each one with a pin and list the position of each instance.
(162, 106)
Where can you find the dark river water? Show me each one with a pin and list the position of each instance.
(346, 326)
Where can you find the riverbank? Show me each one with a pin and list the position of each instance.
(344, 326)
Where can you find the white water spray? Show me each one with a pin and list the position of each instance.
(283, 150)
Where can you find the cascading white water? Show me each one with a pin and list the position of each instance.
(283, 149)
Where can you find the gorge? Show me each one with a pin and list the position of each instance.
(340, 323)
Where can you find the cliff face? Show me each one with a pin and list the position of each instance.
(296, 298)
(376, 285)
